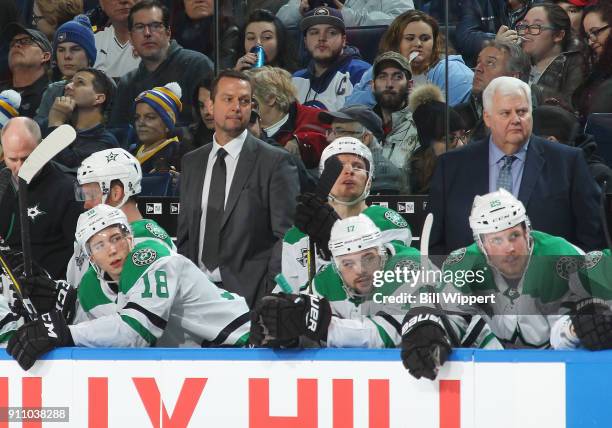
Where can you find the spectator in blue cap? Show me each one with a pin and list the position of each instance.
(74, 48)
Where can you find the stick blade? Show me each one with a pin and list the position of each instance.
(55, 142)
(425, 234)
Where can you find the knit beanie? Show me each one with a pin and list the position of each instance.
(77, 31)
(427, 105)
(165, 100)
(9, 104)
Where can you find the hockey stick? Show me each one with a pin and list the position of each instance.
(425, 262)
(603, 212)
(5, 180)
(55, 142)
(25, 301)
(331, 172)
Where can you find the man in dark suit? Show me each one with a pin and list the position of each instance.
(552, 180)
(237, 197)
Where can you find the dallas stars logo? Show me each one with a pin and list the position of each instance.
(111, 157)
(144, 257)
(34, 212)
(304, 258)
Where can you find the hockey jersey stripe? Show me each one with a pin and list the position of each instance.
(384, 336)
(6, 336)
(396, 325)
(156, 320)
(229, 329)
(11, 317)
(471, 338)
(140, 329)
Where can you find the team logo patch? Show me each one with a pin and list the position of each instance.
(592, 259)
(144, 257)
(61, 37)
(156, 231)
(409, 264)
(565, 266)
(455, 257)
(111, 157)
(34, 212)
(303, 259)
(396, 219)
(321, 11)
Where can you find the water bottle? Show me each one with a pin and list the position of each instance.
(261, 55)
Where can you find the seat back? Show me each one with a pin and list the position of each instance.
(156, 184)
(599, 125)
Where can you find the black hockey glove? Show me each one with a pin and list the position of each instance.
(592, 321)
(315, 217)
(425, 344)
(46, 295)
(286, 317)
(36, 338)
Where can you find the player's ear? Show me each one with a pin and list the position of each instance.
(116, 194)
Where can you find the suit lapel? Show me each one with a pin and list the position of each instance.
(534, 162)
(244, 168)
(481, 175)
(198, 186)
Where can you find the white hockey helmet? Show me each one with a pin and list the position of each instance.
(112, 164)
(99, 218)
(350, 145)
(497, 211)
(354, 234)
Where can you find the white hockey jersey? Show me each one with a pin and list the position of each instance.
(163, 300)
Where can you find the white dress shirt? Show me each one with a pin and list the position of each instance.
(233, 149)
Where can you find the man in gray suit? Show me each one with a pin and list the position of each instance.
(237, 197)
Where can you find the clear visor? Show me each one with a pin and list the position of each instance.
(115, 237)
(357, 269)
(87, 192)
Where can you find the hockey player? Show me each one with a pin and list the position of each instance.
(356, 302)
(163, 298)
(112, 177)
(315, 216)
(529, 276)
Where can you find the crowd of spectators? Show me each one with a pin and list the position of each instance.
(140, 75)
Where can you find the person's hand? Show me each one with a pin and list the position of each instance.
(304, 7)
(246, 62)
(61, 110)
(505, 34)
(293, 147)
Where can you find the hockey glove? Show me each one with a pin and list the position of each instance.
(315, 217)
(46, 295)
(425, 344)
(36, 338)
(286, 317)
(592, 322)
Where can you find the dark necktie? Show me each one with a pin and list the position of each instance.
(214, 212)
(504, 180)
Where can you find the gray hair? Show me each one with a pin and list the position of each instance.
(29, 124)
(518, 61)
(505, 85)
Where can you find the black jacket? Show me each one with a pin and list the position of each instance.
(53, 213)
(184, 66)
(88, 142)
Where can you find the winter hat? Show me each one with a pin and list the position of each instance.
(9, 104)
(77, 31)
(549, 120)
(323, 15)
(427, 105)
(165, 100)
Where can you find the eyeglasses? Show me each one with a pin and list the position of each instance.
(592, 35)
(154, 27)
(23, 42)
(533, 30)
(36, 19)
(116, 240)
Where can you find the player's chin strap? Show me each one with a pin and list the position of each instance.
(362, 197)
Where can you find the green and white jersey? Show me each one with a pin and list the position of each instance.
(9, 322)
(521, 314)
(295, 244)
(164, 300)
(596, 274)
(141, 230)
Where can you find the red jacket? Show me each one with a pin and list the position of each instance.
(304, 125)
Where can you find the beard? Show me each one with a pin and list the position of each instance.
(392, 100)
(327, 60)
